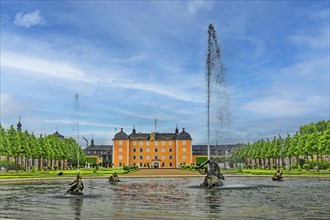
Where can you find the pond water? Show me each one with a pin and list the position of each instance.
(166, 198)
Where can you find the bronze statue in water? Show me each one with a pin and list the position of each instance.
(114, 178)
(77, 186)
(213, 175)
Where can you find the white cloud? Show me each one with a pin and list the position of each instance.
(319, 40)
(44, 67)
(84, 123)
(29, 19)
(309, 68)
(280, 106)
(195, 6)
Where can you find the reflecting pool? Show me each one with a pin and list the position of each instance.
(167, 198)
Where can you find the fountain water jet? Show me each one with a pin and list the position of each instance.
(215, 77)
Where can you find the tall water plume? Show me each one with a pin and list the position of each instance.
(218, 114)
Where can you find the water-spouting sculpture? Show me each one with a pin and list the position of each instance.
(215, 76)
(213, 175)
(77, 186)
(114, 178)
(278, 175)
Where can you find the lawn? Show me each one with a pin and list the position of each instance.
(106, 172)
(259, 172)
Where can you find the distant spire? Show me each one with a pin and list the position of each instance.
(176, 130)
(19, 125)
(134, 131)
(155, 124)
(92, 141)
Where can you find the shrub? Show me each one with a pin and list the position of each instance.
(33, 169)
(299, 168)
(95, 169)
(239, 170)
(306, 166)
(55, 167)
(294, 166)
(274, 166)
(126, 168)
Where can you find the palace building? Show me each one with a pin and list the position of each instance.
(152, 150)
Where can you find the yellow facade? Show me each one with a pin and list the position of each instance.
(152, 150)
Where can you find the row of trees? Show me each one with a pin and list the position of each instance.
(312, 140)
(25, 147)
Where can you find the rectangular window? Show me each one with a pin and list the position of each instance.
(134, 150)
(184, 149)
(156, 143)
(120, 157)
(120, 149)
(163, 149)
(134, 143)
(183, 142)
(163, 164)
(148, 143)
(170, 143)
(156, 149)
(120, 142)
(184, 157)
(170, 164)
(120, 164)
(141, 143)
(140, 164)
(141, 157)
(134, 157)
(170, 157)
(141, 149)
(147, 149)
(163, 143)
(171, 150)
(148, 157)
(156, 157)
(163, 157)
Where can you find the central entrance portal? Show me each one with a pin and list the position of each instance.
(156, 164)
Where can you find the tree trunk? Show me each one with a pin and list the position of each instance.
(39, 163)
(290, 162)
(16, 163)
(7, 165)
(25, 163)
(263, 162)
(317, 161)
(297, 158)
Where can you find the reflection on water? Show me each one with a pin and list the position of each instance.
(76, 204)
(178, 198)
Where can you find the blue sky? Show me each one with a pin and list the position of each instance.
(133, 61)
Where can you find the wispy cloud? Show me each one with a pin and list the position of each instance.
(53, 68)
(319, 40)
(29, 19)
(195, 6)
(278, 106)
